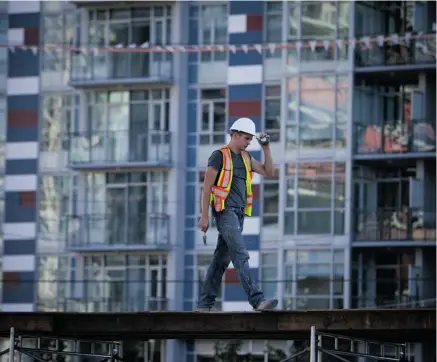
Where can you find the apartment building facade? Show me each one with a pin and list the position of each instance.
(104, 152)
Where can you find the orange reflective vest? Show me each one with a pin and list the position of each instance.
(220, 190)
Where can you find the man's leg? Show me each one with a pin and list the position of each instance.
(230, 225)
(214, 275)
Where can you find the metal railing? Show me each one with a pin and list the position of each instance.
(112, 66)
(421, 50)
(409, 224)
(395, 137)
(390, 302)
(95, 230)
(121, 146)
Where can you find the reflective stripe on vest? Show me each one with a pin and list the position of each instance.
(220, 191)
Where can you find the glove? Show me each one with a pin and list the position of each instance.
(264, 140)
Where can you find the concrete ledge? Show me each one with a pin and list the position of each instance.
(397, 325)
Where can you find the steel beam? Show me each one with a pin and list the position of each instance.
(396, 325)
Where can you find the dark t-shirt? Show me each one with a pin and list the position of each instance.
(237, 194)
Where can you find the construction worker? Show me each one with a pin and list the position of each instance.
(227, 189)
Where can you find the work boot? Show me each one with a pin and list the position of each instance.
(206, 309)
(266, 304)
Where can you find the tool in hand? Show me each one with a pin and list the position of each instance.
(264, 140)
(204, 238)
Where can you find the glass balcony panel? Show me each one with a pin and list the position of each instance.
(421, 50)
(394, 137)
(120, 146)
(114, 229)
(110, 66)
(409, 224)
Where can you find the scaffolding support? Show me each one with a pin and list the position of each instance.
(335, 346)
(102, 351)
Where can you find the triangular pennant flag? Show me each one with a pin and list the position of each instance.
(408, 37)
(326, 44)
(258, 47)
(298, 44)
(34, 50)
(118, 46)
(353, 42)
(132, 46)
(380, 40)
(145, 45)
(366, 40)
(221, 48)
(12, 49)
(395, 38)
(272, 48)
(233, 48)
(313, 44)
(339, 43)
(245, 48)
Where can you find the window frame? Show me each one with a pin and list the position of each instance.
(212, 103)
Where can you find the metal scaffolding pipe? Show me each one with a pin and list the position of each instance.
(12, 344)
(313, 346)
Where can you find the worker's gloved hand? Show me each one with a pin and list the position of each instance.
(263, 139)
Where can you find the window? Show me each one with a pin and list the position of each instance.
(137, 25)
(54, 283)
(321, 21)
(273, 26)
(127, 126)
(272, 113)
(213, 121)
(317, 104)
(59, 114)
(269, 277)
(315, 191)
(2, 131)
(213, 30)
(314, 279)
(203, 262)
(123, 283)
(126, 208)
(270, 214)
(58, 29)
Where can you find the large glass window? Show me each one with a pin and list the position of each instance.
(213, 117)
(324, 21)
(128, 208)
(273, 26)
(126, 126)
(213, 27)
(59, 112)
(314, 279)
(272, 112)
(58, 30)
(310, 189)
(317, 111)
(56, 195)
(270, 214)
(123, 283)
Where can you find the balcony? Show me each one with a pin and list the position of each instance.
(419, 52)
(395, 140)
(93, 70)
(395, 225)
(121, 149)
(115, 232)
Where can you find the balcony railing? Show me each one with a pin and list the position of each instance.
(104, 305)
(395, 225)
(419, 136)
(118, 232)
(120, 148)
(121, 67)
(416, 51)
(388, 302)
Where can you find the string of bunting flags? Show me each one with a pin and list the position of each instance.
(365, 41)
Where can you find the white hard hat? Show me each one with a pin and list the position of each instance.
(245, 125)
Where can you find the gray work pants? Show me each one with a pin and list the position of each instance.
(230, 246)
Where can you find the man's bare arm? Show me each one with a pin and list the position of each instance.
(210, 177)
(266, 169)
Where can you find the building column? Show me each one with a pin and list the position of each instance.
(21, 155)
(245, 92)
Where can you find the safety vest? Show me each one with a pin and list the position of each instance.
(220, 190)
